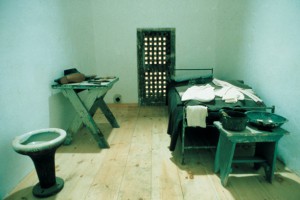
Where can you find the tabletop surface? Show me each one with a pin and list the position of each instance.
(97, 83)
(250, 131)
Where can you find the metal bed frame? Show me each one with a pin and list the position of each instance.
(185, 147)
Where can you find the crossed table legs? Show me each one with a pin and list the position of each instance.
(86, 108)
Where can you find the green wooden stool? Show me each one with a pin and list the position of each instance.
(265, 150)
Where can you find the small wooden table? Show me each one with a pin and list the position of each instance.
(86, 106)
(265, 150)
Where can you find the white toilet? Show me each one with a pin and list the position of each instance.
(40, 146)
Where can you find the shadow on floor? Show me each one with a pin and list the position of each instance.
(84, 142)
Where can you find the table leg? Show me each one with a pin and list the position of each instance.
(268, 151)
(217, 157)
(82, 109)
(106, 111)
(226, 153)
(73, 128)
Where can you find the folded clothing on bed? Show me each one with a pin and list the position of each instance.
(231, 93)
(196, 116)
(201, 93)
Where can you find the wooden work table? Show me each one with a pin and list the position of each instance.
(265, 150)
(86, 106)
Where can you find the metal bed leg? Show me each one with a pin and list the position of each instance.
(183, 138)
(182, 147)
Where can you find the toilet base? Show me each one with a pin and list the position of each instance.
(38, 191)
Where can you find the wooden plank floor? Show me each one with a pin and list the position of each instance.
(139, 166)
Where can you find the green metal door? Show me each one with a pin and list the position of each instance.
(156, 61)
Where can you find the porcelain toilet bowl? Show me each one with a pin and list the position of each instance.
(38, 141)
(40, 145)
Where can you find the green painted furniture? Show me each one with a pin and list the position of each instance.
(265, 150)
(86, 106)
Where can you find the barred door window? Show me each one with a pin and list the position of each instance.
(156, 61)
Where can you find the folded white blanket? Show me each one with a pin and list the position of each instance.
(196, 115)
(231, 93)
(201, 93)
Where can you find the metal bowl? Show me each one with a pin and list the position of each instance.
(265, 120)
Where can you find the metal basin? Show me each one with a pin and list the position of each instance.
(265, 120)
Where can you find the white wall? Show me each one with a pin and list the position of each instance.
(258, 41)
(251, 40)
(116, 24)
(38, 40)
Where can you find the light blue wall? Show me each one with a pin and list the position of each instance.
(38, 40)
(251, 40)
(116, 24)
(258, 41)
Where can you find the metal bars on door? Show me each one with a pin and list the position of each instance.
(156, 61)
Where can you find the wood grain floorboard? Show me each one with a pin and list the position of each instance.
(139, 166)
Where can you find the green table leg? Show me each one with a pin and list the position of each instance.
(82, 108)
(108, 114)
(217, 157)
(268, 151)
(226, 153)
